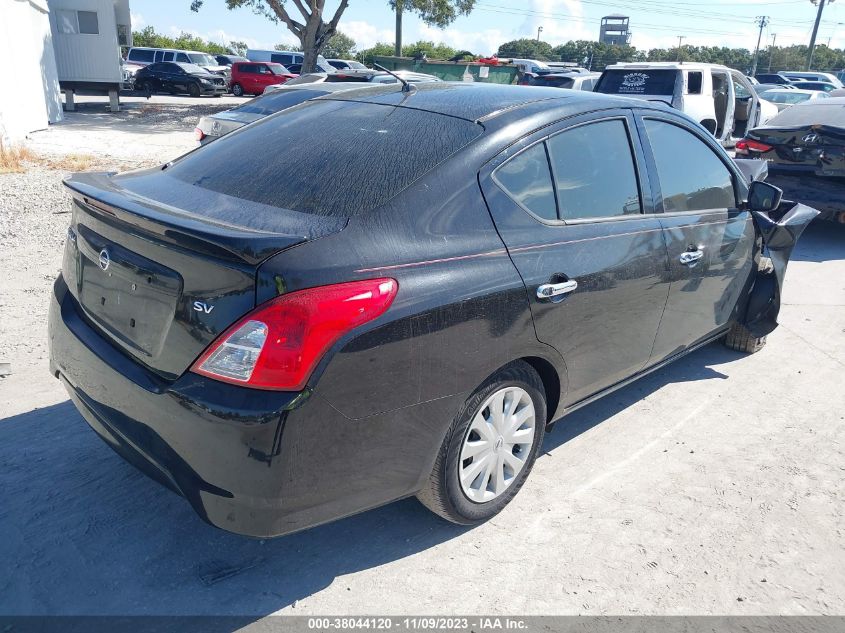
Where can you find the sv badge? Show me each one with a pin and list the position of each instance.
(201, 306)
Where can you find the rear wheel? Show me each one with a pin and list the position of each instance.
(194, 90)
(740, 339)
(489, 449)
(148, 86)
(237, 90)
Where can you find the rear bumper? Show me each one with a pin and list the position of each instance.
(251, 462)
(827, 195)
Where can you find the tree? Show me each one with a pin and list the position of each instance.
(311, 30)
(149, 37)
(439, 13)
(381, 49)
(287, 47)
(238, 47)
(526, 48)
(340, 46)
(429, 49)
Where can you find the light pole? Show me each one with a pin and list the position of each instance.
(772, 51)
(681, 38)
(762, 21)
(539, 30)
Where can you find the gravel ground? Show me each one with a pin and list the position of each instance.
(714, 486)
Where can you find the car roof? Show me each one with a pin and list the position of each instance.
(665, 65)
(480, 101)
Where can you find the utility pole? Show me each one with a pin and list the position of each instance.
(681, 38)
(762, 21)
(815, 32)
(539, 30)
(398, 45)
(772, 51)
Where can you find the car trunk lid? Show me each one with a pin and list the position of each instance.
(162, 268)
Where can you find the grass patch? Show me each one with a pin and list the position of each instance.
(13, 158)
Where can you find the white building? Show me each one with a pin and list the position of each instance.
(29, 82)
(49, 46)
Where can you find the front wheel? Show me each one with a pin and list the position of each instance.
(237, 90)
(194, 90)
(489, 449)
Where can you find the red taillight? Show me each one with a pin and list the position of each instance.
(198, 134)
(278, 345)
(750, 145)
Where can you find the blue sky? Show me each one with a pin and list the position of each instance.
(653, 22)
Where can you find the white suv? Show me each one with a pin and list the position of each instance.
(720, 98)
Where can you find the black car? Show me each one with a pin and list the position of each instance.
(772, 78)
(177, 77)
(391, 292)
(228, 60)
(805, 149)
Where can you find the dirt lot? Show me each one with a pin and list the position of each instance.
(714, 486)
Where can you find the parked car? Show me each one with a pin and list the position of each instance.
(143, 56)
(228, 60)
(212, 127)
(718, 97)
(805, 149)
(571, 80)
(175, 78)
(291, 60)
(786, 98)
(772, 78)
(253, 77)
(813, 76)
(361, 76)
(762, 89)
(288, 327)
(345, 64)
(823, 86)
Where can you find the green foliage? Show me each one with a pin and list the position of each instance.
(381, 49)
(238, 48)
(149, 37)
(431, 50)
(439, 13)
(527, 48)
(285, 46)
(340, 46)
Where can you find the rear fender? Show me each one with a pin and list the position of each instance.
(780, 232)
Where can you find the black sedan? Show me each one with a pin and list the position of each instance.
(805, 148)
(176, 78)
(396, 291)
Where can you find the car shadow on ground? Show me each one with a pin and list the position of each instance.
(82, 532)
(821, 241)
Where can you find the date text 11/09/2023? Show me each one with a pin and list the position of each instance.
(478, 623)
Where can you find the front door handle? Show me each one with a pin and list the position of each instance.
(689, 258)
(547, 291)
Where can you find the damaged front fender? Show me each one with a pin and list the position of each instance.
(780, 232)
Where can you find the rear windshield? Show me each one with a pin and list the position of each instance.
(637, 81)
(277, 100)
(553, 81)
(335, 158)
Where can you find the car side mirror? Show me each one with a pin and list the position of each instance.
(763, 197)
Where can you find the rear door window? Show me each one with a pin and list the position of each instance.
(699, 182)
(359, 160)
(638, 81)
(593, 170)
(279, 58)
(526, 178)
(141, 55)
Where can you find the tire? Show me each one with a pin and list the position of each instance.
(237, 90)
(445, 494)
(148, 87)
(194, 90)
(740, 339)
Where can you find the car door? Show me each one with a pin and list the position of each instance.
(572, 205)
(710, 240)
(263, 78)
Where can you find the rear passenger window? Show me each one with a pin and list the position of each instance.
(694, 83)
(594, 171)
(527, 180)
(698, 182)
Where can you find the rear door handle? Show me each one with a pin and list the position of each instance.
(689, 258)
(547, 291)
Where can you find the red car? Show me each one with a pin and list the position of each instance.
(254, 77)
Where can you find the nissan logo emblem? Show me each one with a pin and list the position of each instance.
(104, 260)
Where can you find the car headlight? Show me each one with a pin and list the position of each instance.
(205, 82)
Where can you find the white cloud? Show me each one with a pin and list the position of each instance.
(483, 42)
(365, 34)
(138, 21)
